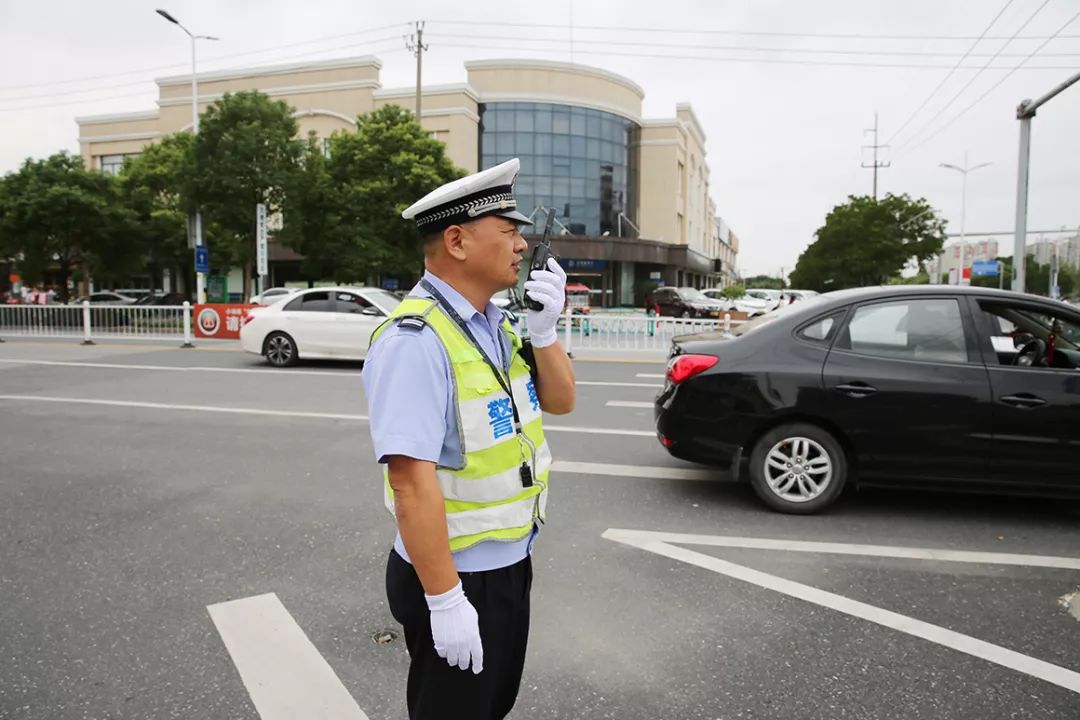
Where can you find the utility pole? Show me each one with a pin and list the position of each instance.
(415, 44)
(875, 147)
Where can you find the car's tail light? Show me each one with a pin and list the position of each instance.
(685, 367)
(248, 318)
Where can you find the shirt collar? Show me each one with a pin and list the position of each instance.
(461, 305)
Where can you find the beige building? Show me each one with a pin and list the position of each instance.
(961, 255)
(632, 193)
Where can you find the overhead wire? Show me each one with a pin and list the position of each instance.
(714, 58)
(941, 111)
(700, 31)
(150, 90)
(229, 56)
(951, 72)
(996, 85)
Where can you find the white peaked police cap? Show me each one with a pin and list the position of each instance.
(488, 192)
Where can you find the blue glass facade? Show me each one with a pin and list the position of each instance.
(574, 159)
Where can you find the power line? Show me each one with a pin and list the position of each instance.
(148, 80)
(713, 58)
(951, 72)
(996, 85)
(752, 48)
(209, 60)
(974, 77)
(698, 31)
(84, 100)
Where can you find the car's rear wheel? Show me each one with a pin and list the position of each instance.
(280, 350)
(798, 468)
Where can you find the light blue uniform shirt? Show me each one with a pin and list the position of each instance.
(409, 386)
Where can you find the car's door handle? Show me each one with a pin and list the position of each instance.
(1023, 400)
(856, 389)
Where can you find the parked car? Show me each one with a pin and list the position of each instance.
(686, 302)
(161, 300)
(935, 387)
(319, 323)
(270, 296)
(799, 295)
(772, 298)
(746, 304)
(107, 298)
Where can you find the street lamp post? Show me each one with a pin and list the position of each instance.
(963, 209)
(200, 278)
(1024, 113)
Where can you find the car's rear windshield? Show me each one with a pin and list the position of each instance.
(784, 311)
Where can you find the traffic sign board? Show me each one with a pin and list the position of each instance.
(987, 268)
(202, 259)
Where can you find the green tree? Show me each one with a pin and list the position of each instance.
(867, 242)
(245, 154)
(343, 213)
(151, 185)
(55, 212)
(764, 282)
(734, 292)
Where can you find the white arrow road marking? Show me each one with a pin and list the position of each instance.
(285, 675)
(629, 404)
(660, 543)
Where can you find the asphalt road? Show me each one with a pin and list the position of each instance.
(130, 503)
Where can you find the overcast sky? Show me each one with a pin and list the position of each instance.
(784, 136)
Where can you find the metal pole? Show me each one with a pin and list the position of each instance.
(963, 221)
(1001, 275)
(187, 326)
(87, 340)
(200, 278)
(1020, 239)
(419, 64)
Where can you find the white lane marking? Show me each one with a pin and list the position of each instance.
(267, 371)
(192, 408)
(654, 376)
(634, 471)
(885, 551)
(172, 368)
(629, 404)
(285, 413)
(599, 383)
(282, 670)
(1011, 659)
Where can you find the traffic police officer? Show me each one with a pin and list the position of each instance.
(456, 420)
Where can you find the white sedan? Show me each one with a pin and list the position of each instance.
(320, 323)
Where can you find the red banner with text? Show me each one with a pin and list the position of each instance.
(220, 322)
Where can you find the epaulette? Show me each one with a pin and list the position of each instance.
(412, 322)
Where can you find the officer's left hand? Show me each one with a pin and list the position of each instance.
(547, 287)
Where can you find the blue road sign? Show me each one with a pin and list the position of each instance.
(202, 259)
(987, 268)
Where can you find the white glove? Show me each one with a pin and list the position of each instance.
(549, 288)
(455, 627)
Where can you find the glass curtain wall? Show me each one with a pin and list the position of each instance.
(576, 160)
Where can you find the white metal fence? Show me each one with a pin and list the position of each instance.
(601, 331)
(90, 322)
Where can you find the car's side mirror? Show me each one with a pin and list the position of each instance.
(372, 310)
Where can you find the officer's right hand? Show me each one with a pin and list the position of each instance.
(455, 627)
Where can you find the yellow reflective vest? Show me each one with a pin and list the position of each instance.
(485, 498)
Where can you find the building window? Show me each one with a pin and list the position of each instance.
(577, 160)
(112, 164)
(679, 173)
(682, 228)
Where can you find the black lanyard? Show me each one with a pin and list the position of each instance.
(504, 382)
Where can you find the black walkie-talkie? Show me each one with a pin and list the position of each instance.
(541, 254)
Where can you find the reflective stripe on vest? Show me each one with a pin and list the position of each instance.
(485, 499)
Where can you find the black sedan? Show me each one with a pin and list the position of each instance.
(934, 387)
